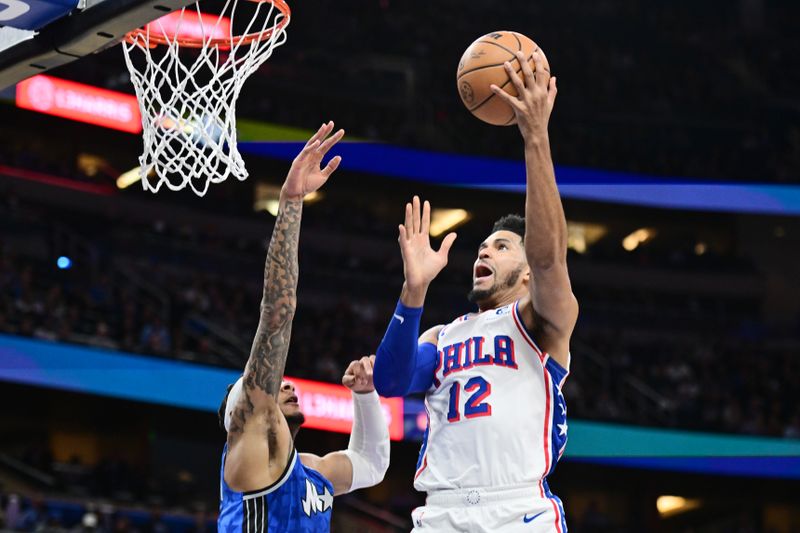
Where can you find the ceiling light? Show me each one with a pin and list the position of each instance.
(700, 248)
(444, 220)
(271, 206)
(126, 179)
(267, 197)
(581, 235)
(640, 236)
(314, 197)
(671, 505)
(91, 165)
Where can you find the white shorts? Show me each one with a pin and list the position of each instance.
(505, 509)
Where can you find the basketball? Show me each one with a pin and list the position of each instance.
(221, 227)
(482, 65)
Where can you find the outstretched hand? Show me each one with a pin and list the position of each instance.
(536, 95)
(421, 264)
(358, 376)
(306, 176)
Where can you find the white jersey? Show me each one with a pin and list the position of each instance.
(496, 415)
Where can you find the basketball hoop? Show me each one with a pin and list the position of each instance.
(188, 69)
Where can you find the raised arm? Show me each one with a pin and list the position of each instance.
(554, 309)
(405, 363)
(366, 459)
(254, 461)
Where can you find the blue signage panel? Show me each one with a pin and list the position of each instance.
(108, 373)
(573, 182)
(774, 467)
(174, 383)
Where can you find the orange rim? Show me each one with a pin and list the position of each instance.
(156, 39)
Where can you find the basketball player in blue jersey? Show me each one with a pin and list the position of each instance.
(492, 379)
(265, 485)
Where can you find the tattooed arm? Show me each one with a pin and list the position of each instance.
(259, 441)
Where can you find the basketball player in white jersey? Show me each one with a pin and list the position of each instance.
(492, 379)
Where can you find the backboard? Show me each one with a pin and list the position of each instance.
(37, 35)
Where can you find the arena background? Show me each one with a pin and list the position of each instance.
(676, 136)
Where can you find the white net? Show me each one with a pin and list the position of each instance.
(188, 69)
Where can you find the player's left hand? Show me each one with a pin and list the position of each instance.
(536, 96)
(358, 376)
(306, 176)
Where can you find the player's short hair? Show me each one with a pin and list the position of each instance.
(511, 222)
(223, 406)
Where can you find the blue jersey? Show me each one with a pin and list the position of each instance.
(300, 501)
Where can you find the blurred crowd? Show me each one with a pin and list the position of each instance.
(729, 385)
(674, 90)
(698, 91)
(39, 514)
(39, 156)
(644, 357)
(688, 90)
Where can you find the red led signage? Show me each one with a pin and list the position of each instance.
(330, 407)
(191, 25)
(77, 101)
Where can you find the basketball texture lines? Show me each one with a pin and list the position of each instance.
(482, 65)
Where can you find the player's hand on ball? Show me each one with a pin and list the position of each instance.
(536, 96)
(358, 376)
(421, 263)
(306, 176)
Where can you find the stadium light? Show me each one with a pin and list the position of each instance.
(314, 197)
(700, 248)
(444, 220)
(272, 206)
(91, 165)
(581, 235)
(267, 198)
(640, 236)
(671, 505)
(126, 179)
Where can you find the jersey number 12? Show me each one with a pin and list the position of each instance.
(475, 405)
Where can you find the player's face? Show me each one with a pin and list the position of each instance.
(287, 401)
(500, 267)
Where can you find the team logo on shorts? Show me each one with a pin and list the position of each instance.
(474, 497)
(532, 518)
